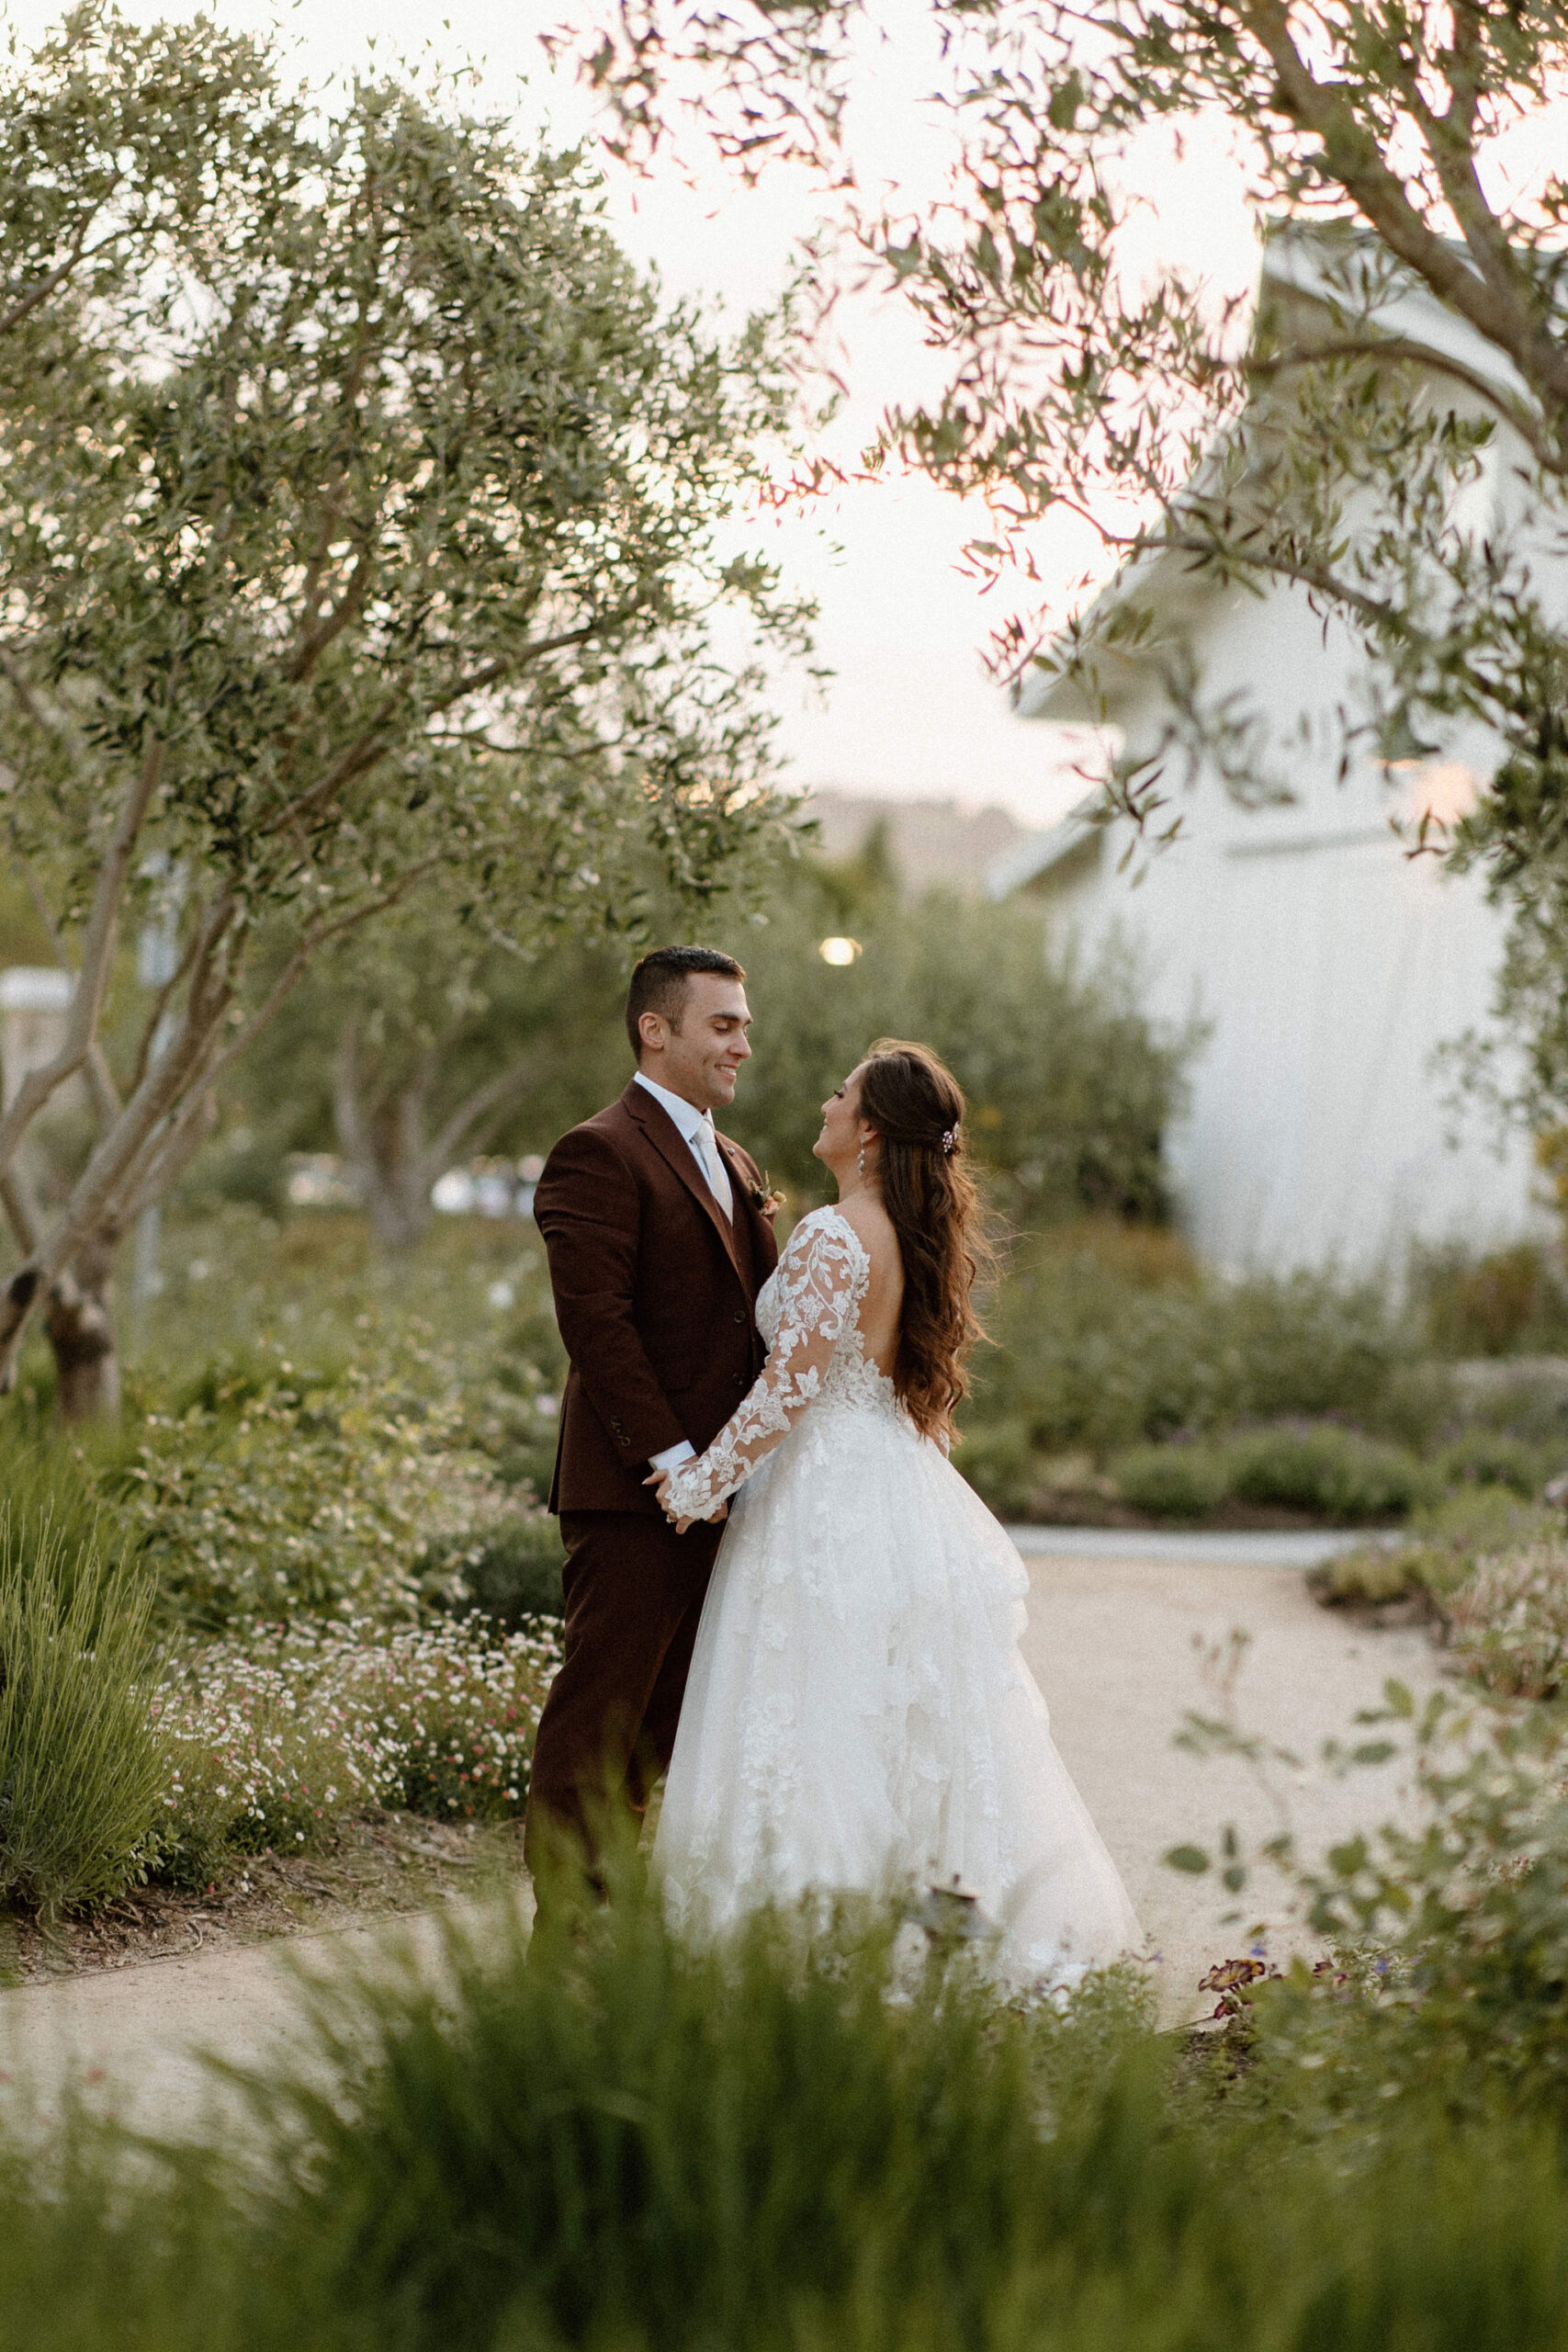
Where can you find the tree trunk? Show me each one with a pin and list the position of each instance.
(384, 1148)
(80, 1328)
(397, 1199)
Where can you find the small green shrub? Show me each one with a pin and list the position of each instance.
(1509, 1302)
(1103, 1347)
(1330, 1473)
(1446, 1539)
(1373, 1576)
(274, 1490)
(626, 2146)
(1174, 1481)
(1468, 1520)
(1449, 1930)
(634, 2142)
(1000, 1464)
(83, 1771)
(1483, 1458)
(1508, 1621)
(1334, 1472)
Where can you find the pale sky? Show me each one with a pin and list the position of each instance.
(910, 710)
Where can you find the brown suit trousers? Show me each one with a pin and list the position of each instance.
(655, 1293)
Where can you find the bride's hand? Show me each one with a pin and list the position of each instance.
(660, 1480)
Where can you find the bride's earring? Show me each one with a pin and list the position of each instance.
(859, 1161)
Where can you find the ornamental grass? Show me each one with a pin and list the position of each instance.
(789, 2145)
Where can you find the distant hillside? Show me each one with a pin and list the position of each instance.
(932, 841)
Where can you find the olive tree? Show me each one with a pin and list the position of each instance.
(363, 518)
(1319, 446)
(417, 1042)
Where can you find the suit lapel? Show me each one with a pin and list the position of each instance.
(667, 1139)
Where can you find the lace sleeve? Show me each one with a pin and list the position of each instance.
(817, 1294)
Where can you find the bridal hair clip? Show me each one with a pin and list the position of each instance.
(950, 1139)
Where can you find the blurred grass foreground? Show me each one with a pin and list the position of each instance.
(816, 2138)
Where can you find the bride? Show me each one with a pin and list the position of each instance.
(858, 1713)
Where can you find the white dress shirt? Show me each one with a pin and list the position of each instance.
(696, 1127)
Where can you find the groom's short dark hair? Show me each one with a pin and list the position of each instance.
(658, 983)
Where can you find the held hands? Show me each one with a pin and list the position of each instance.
(660, 1479)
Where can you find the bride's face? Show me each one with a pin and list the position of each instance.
(841, 1129)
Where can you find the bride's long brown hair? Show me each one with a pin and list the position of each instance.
(916, 1106)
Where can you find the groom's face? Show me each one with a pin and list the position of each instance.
(701, 1059)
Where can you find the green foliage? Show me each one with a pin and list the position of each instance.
(1446, 1540)
(1069, 1090)
(1100, 1346)
(1508, 1621)
(1334, 1474)
(628, 2145)
(1450, 1930)
(419, 1044)
(296, 1489)
(626, 2136)
(83, 1771)
(275, 1734)
(365, 519)
(1174, 1481)
(1332, 1470)
(1507, 1302)
(1483, 1458)
(510, 1572)
(1310, 445)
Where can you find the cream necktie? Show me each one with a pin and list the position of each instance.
(713, 1168)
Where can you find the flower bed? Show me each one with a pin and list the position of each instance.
(276, 1734)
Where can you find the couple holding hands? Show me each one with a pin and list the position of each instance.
(779, 1592)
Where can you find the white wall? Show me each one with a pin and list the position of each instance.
(1329, 967)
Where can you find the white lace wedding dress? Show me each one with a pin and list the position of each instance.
(858, 1714)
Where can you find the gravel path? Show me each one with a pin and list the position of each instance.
(1112, 1641)
(1115, 1645)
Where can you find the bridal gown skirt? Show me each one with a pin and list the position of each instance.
(858, 1713)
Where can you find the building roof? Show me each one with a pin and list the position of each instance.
(1043, 851)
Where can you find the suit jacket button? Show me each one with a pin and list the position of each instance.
(738, 1317)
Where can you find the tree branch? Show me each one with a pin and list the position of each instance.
(312, 946)
(1350, 156)
(315, 643)
(22, 1210)
(486, 1104)
(38, 294)
(1547, 453)
(98, 950)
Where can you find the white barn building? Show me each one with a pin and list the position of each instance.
(1326, 966)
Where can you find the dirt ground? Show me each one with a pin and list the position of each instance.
(1118, 1647)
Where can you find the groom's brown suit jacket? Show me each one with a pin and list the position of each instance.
(655, 1292)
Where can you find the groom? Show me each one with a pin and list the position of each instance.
(659, 1238)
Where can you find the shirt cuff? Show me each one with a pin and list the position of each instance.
(672, 1455)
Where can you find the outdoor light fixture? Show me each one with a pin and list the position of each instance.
(839, 951)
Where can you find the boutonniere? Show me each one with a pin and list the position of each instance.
(766, 1198)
